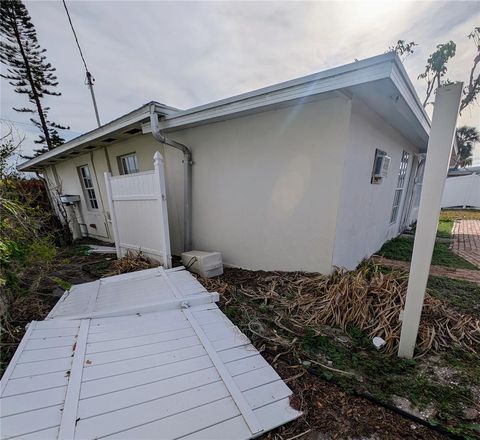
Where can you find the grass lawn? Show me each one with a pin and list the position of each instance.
(461, 295)
(454, 214)
(401, 248)
(326, 367)
(445, 227)
(447, 218)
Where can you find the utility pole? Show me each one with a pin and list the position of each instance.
(90, 81)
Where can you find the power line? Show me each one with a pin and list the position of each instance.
(90, 80)
(75, 35)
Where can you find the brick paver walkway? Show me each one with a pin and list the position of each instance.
(450, 272)
(466, 240)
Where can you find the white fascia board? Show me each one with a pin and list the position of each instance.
(357, 65)
(91, 136)
(402, 82)
(249, 110)
(387, 66)
(110, 128)
(328, 81)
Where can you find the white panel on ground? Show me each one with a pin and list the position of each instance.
(186, 372)
(137, 292)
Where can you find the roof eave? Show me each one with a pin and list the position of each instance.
(403, 83)
(387, 66)
(370, 69)
(137, 115)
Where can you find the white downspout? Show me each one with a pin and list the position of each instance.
(187, 176)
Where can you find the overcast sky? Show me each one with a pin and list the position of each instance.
(189, 53)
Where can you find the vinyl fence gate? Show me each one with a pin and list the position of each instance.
(138, 211)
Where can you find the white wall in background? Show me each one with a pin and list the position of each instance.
(462, 191)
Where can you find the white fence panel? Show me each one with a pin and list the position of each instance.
(138, 210)
(462, 191)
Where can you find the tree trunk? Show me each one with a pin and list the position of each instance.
(36, 98)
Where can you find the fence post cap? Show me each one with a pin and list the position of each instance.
(157, 157)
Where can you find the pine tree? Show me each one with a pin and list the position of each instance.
(28, 70)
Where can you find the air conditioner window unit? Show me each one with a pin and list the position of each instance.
(382, 163)
(385, 165)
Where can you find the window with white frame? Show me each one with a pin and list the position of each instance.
(88, 188)
(128, 164)
(397, 198)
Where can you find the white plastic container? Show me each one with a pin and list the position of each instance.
(206, 264)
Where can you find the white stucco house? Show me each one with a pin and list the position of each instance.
(308, 174)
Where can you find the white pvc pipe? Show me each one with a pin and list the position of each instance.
(187, 179)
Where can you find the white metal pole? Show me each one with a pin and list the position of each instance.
(440, 143)
(90, 86)
(162, 196)
(113, 217)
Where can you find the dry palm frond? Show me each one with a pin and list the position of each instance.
(132, 262)
(366, 298)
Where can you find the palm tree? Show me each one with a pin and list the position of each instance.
(466, 138)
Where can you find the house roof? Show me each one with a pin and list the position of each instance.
(97, 137)
(380, 81)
